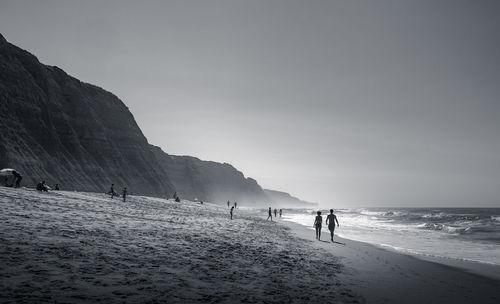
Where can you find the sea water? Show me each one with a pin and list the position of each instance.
(471, 234)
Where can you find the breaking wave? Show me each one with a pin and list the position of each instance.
(462, 233)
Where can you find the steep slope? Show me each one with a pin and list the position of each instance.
(57, 128)
(210, 181)
(284, 199)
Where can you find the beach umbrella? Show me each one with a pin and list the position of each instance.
(6, 172)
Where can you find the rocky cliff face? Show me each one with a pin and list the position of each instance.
(283, 199)
(210, 181)
(59, 129)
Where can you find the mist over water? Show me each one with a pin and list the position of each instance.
(459, 233)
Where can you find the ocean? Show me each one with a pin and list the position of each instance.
(471, 234)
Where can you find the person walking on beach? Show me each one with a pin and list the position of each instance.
(270, 215)
(235, 204)
(228, 204)
(124, 193)
(317, 224)
(232, 208)
(330, 221)
(275, 213)
(280, 213)
(112, 190)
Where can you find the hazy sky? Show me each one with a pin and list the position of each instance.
(346, 103)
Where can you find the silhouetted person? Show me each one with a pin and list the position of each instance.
(124, 193)
(317, 224)
(19, 177)
(41, 186)
(275, 213)
(56, 187)
(232, 208)
(270, 214)
(235, 204)
(176, 198)
(201, 202)
(330, 221)
(112, 191)
(280, 212)
(228, 204)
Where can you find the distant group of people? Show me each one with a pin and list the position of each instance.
(270, 213)
(330, 222)
(12, 178)
(113, 193)
(41, 186)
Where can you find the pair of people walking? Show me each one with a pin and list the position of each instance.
(113, 193)
(330, 222)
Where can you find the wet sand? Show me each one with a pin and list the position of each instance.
(70, 247)
(383, 276)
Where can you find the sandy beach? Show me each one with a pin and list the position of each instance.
(72, 247)
(76, 247)
(383, 276)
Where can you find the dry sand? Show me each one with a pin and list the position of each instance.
(74, 247)
(82, 247)
(382, 276)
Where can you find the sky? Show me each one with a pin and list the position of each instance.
(345, 103)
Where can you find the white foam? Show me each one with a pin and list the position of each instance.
(410, 238)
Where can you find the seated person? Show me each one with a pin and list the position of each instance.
(41, 186)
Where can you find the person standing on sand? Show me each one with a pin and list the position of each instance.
(228, 204)
(317, 224)
(232, 208)
(280, 213)
(18, 177)
(124, 193)
(270, 215)
(275, 213)
(235, 204)
(330, 221)
(112, 190)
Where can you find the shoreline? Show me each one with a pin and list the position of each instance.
(85, 247)
(384, 276)
(486, 269)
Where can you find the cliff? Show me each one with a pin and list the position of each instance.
(210, 181)
(283, 199)
(59, 129)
